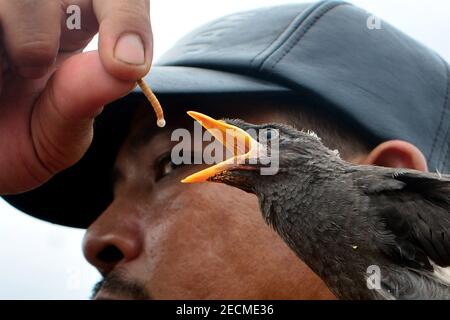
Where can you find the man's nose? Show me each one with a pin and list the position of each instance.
(112, 239)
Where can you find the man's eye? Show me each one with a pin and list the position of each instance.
(164, 166)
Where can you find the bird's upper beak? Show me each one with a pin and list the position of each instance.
(236, 140)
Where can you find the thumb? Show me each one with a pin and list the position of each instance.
(125, 37)
(62, 119)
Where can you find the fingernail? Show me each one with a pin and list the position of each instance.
(130, 49)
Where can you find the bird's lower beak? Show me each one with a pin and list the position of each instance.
(236, 140)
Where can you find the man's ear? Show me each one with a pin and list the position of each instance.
(396, 154)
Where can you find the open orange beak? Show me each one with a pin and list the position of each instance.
(236, 140)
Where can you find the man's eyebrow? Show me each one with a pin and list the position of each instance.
(141, 136)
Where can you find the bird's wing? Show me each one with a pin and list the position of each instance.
(416, 209)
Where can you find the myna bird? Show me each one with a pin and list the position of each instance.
(349, 223)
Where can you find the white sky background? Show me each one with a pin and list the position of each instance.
(43, 261)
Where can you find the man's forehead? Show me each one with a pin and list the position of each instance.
(143, 129)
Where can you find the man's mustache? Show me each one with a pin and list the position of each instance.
(118, 284)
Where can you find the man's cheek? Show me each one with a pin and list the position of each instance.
(200, 241)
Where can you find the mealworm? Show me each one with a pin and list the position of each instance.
(154, 103)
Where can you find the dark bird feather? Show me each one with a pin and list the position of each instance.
(341, 218)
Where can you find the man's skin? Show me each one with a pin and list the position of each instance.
(158, 239)
(162, 239)
(50, 92)
(205, 241)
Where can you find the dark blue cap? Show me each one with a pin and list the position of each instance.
(374, 75)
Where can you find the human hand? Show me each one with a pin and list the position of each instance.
(51, 91)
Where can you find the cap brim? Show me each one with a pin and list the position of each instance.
(194, 81)
(78, 195)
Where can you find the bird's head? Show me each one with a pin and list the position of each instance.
(262, 155)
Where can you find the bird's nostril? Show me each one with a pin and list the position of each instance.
(110, 254)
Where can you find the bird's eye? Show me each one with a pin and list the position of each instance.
(269, 134)
(164, 166)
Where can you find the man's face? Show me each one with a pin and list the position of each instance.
(162, 239)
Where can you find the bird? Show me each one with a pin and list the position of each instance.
(369, 232)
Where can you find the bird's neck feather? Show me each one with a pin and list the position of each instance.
(293, 208)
